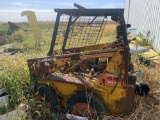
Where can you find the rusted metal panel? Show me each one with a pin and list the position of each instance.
(84, 48)
(126, 104)
(67, 78)
(43, 66)
(126, 64)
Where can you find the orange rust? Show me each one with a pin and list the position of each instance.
(85, 110)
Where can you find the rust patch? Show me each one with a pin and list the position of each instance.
(67, 78)
(85, 48)
(121, 52)
(75, 57)
(125, 105)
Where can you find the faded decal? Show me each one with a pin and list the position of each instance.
(46, 64)
(48, 59)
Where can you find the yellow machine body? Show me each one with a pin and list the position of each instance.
(81, 73)
(112, 88)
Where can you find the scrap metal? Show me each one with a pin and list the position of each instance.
(77, 64)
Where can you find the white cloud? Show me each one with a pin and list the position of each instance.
(20, 4)
(113, 5)
(15, 15)
(88, 5)
(64, 4)
(21, 10)
(37, 1)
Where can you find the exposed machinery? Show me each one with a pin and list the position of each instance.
(12, 28)
(80, 74)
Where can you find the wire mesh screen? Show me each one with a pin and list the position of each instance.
(83, 31)
(61, 31)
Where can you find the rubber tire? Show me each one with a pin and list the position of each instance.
(80, 97)
(49, 95)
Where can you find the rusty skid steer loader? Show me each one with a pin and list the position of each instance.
(84, 75)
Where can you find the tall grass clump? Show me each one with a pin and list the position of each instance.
(145, 39)
(14, 78)
(21, 40)
(17, 36)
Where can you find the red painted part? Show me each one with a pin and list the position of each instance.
(97, 55)
(84, 110)
(107, 79)
(41, 99)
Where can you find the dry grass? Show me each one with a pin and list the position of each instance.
(110, 29)
(39, 111)
(109, 33)
(148, 107)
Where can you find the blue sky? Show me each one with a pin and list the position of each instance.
(44, 9)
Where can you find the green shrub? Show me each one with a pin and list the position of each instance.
(15, 78)
(17, 36)
(145, 39)
(144, 42)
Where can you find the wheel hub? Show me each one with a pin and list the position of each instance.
(84, 110)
